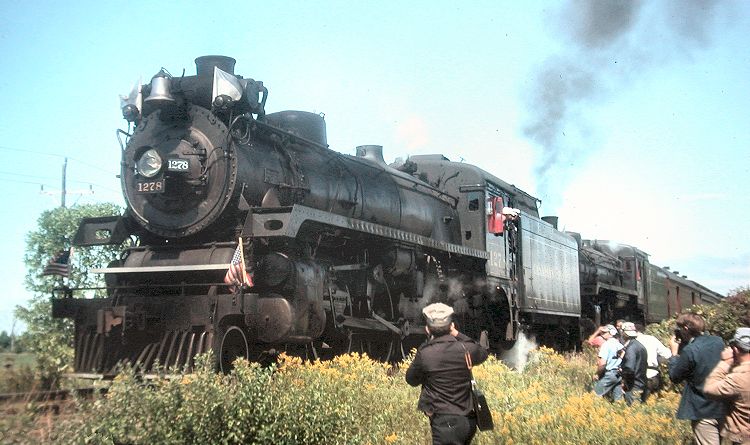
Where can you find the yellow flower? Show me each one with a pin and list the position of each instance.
(391, 438)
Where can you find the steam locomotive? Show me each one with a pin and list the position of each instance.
(344, 250)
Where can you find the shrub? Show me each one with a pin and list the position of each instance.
(732, 312)
(354, 400)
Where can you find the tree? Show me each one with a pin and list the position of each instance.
(52, 339)
(730, 313)
(4, 341)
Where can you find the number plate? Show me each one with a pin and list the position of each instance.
(178, 165)
(149, 186)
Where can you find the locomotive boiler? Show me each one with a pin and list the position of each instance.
(344, 251)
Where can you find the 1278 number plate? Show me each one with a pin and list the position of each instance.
(178, 165)
(149, 186)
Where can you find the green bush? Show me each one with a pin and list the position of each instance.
(734, 311)
(348, 400)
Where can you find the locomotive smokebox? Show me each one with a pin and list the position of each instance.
(204, 65)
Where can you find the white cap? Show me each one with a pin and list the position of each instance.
(438, 314)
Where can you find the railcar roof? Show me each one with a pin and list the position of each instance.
(467, 174)
(613, 245)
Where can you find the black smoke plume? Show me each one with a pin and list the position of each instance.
(611, 44)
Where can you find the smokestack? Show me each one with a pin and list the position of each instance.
(551, 220)
(371, 152)
(204, 65)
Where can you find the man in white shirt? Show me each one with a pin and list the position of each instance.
(655, 350)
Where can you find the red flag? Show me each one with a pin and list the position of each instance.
(495, 218)
(637, 271)
(237, 274)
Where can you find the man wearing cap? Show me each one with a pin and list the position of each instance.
(595, 339)
(634, 364)
(440, 366)
(694, 355)
(734, 386)
(608, 365)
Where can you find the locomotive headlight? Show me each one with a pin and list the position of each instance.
(149, 164)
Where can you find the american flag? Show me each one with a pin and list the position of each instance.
(59, 264)
(237, 274)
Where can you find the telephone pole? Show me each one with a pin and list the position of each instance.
(62, 195)
(64, 188)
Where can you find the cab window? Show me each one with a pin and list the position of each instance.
(475, 201)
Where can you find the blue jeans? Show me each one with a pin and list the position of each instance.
(636, 395)
(610, 383)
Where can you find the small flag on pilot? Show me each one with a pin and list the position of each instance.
(59, 264)
(237, 274)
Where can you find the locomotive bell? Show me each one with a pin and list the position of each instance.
(160, 85)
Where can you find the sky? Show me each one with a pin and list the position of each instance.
(629, 120)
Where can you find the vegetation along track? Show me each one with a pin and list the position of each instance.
(50, 401)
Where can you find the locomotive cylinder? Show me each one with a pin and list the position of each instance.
(290, 303)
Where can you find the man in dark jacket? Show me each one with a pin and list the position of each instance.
(634, 366)
(694, 355)
(440, 367)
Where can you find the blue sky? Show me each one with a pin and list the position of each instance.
(629, 120)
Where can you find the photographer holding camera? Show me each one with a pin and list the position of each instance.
(734, 386)
(694, 355)
(441, 367)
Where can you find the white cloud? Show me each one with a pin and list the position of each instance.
(412, 132)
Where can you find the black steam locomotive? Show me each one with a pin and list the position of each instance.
(344, 251)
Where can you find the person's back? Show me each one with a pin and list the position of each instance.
(633, 367)
(609, 353)
(444, 375)
(692, 366)
(655, 350)
(441, 366)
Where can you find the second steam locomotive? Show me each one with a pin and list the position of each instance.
(344, 250)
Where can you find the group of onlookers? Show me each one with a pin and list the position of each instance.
(716, 397)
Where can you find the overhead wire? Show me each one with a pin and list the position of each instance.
(90, 183)
(22, 150)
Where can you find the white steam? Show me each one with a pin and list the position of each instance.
(517, 356)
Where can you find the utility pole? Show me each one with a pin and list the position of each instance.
(13, 336)
(64, 190)
(62, 195)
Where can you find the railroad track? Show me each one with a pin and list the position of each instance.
(57, 394)
(49, 401)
